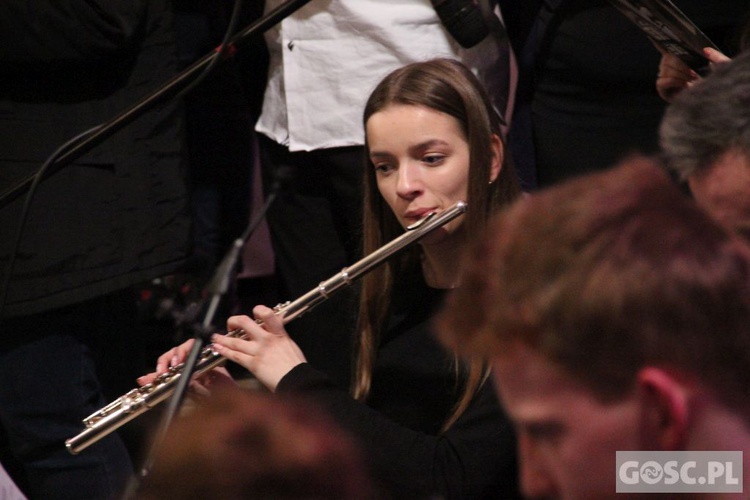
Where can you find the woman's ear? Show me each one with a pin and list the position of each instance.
(496, 146)
(665, 410)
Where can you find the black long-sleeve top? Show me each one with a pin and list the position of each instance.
(413, 392)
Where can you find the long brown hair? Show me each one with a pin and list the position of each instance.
(449, 87)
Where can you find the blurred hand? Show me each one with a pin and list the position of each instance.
(715, 57)
(675, 76)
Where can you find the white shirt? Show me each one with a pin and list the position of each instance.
(327, 57)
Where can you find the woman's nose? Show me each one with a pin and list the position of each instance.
(409, 183)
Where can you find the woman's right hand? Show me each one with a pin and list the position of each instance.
(172, 357)
(199, 385)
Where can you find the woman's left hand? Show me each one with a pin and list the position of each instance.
(268, 353)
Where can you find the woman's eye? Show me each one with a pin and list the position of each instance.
(433, 159)
(383, 168)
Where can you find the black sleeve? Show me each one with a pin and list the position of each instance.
(474, 459)
(518, 18)
(45, 31)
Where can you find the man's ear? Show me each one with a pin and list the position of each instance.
(498, 152)
(665, 410)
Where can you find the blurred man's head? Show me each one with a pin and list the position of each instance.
(705, 136)
(616, 316)
(240, 444)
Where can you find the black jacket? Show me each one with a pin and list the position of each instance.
(118, 215)
(586, 94)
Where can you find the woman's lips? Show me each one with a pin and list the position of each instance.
(418, 213)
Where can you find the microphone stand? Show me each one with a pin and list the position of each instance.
(217, 288)
(219, 284)
(168, 90)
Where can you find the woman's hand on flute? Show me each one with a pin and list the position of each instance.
(268, 353)
(172, 357)
(200, 385)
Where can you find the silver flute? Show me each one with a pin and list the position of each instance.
(139, 400)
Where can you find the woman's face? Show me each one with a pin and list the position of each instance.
(421, 161)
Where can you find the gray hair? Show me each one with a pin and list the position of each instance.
(709, 119)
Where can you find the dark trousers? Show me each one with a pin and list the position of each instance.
(52, 367)
(315, 227)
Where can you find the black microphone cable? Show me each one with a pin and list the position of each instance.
(27, 206)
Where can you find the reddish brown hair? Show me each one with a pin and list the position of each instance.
(606, 274)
